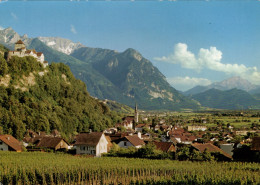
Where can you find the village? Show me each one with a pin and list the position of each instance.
(171, 137)
(198, 136)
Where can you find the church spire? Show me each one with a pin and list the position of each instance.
(136, 113)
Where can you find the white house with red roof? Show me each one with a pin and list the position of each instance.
(131, 141)
(94, 143)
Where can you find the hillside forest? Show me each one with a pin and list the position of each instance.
(43, 99)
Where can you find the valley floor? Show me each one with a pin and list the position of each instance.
(51, 168)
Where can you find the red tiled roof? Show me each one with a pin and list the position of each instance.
(135, 140)
(32, 140)
(256, 144)
(210, 148)
(49, 142)
(139, 125)
(165, 146)
(39, 54)
(11, 142)
(19, 42)
(117, 136)
(129, 118)
(90, 139)
(28, 51)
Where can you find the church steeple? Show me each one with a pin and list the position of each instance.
(136, 113)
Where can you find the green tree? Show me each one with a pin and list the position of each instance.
(3, 66)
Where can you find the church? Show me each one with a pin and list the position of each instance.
(21, 51)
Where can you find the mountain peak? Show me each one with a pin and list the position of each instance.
(227, 84)
(134, 53)
(9, 29)
(235, 82)
(63, 45)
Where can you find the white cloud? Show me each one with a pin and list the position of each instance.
(72, 29)
(185, 83)
(209, 59)
(13, 15)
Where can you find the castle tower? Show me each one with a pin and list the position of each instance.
(19, 46)
(136, 114)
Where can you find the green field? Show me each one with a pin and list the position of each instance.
(50, 168)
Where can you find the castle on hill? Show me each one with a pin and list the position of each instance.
(21, 51)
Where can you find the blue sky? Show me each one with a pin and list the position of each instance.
(192, 43)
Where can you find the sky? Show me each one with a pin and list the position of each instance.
(190, 42)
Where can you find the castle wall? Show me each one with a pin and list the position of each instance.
(20, 51)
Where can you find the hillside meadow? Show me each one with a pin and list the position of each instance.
(51, 168)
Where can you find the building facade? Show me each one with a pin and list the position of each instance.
(21, 51)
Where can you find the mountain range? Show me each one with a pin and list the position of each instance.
(228, 84)
(230, 99)
(126, 77)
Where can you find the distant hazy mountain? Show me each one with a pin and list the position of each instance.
(60, 44)
(230, 99)
(255, 91)
(125, 77)
(231, 83)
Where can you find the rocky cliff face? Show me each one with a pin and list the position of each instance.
(60, 44)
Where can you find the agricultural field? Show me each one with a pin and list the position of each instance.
(232, 118)
(50, 168)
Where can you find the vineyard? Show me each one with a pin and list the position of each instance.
(49, 168)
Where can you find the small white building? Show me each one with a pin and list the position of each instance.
(131, 141)
(197, 128)
(94, 143)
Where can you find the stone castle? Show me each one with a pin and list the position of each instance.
(21, 51)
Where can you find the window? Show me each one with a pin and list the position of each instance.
(1, 142)
(82, 147)
(92, 152)
(125, 143)
(1, 149)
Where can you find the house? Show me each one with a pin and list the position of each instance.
(126, 123)
(165, 146)
(117, 136)
(54, 143)
(228, 148)
(241, 132)
(110, 131)
(109, 145)
(183, 138)
(94, 143)
(9, 143)
(196, 128)
(140, 127)
(212, 149)
(131, 141)
(21, 51)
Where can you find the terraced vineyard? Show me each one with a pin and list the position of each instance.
(50, 168)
